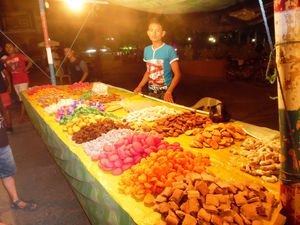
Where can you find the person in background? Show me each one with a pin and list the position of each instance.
(18, 65)
(8, 170)
(2, 53)
(56, 61)
(5, 91)
(77, 67)
(162, 73)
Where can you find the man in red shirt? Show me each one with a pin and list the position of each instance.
(17, 64)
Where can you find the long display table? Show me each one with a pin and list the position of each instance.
(97, 191)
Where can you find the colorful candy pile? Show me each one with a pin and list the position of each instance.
(175, 125)
(100, 88)
(159, 170)
(81, 120)
(69, 109)
(84, 111)
(130, 150)
(79, 88)
(218, 136)
(95, 147)
(56, 106)
(94, 130)
(150, 114)
(33, 90)
(48, 99)
(203, 198)
(263, 158)
(105, 98)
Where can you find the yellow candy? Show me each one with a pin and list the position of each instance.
(76, 129)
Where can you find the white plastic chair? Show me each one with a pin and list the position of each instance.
(205, 103)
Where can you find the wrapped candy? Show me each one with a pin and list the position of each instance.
(99, 88)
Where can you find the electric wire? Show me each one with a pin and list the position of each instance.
(76, 37)
(263, 13)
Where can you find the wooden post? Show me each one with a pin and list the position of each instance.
(287, 37)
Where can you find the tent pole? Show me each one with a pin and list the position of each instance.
(287, 39)
(46, 40)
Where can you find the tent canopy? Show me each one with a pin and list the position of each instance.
(215, 15)
(176, 6)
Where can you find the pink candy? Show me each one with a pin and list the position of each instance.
(129, 151)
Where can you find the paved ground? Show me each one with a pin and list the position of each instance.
(39, 178)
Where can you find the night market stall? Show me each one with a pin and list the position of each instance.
(133, 159)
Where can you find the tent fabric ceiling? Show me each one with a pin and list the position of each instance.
(176, 6)
(215, 15)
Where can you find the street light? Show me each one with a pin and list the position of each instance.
(212, 39)
(75, 5)
(110, 38)
(91, 51)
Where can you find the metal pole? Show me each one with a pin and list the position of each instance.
(46, 40)
(287, 38)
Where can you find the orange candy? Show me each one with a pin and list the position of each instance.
(159, 170)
